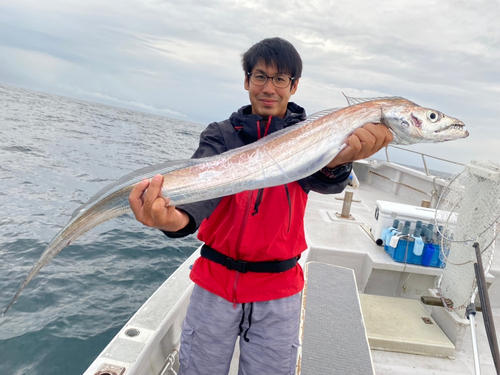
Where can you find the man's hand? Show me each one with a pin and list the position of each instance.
(152, 210)
(363, 143)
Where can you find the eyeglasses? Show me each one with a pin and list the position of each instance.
(280, 81)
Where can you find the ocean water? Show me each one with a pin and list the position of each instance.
(55, 153)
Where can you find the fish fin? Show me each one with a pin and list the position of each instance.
(397, 140)
(137, 176)
(350, 101)
(353, 101)
(383, 119)
(320, 114)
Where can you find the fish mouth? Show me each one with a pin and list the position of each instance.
(455, 126)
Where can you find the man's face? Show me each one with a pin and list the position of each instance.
(269, 100)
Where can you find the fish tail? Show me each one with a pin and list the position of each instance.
(54, 247)
(79, 225)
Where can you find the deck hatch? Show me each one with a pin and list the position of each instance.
(403, 325)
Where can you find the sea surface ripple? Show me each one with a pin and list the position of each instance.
(55, 153)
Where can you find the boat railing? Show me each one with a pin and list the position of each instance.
(423, 158)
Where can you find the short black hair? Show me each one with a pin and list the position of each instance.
(274, 51)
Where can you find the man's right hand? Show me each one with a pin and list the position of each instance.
(152, 210)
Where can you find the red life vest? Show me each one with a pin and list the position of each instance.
(254, 226)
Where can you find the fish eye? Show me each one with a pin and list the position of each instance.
(433, 116)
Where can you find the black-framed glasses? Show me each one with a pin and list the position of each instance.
(280, 81)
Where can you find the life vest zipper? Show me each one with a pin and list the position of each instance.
(238, 241)
(258, 201)
(247, 213)
(289, 207)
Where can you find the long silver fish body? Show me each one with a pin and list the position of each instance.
(279, 158)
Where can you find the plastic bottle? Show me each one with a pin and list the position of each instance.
(426, 259)
(436, 242)
(381, 241)
(393, 234)
(389, 234)
(431, 249)
(444, 244)
(430, 231)
(403, 246)
(417, 253)
(445, 249)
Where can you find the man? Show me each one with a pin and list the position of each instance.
(247, 280)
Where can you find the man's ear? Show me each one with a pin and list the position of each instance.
(247, 83)
(294, 86)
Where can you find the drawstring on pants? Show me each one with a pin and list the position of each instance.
(243, 319)
(249, 322)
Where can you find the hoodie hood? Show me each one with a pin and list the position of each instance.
(252, 127)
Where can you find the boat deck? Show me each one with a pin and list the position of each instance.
(149, 342)
(347, 243)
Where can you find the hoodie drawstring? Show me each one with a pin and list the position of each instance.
(243, 319)
(267, 128)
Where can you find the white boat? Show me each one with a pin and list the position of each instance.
(397, 333)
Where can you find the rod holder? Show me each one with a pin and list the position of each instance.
(346, 207)
(425, 203)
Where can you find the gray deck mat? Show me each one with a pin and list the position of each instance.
(334, 340)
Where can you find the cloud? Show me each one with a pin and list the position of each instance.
(128, 104)
(182, 59)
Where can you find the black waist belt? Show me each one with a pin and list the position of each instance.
(243, 267)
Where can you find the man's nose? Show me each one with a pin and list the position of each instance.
(269, 86)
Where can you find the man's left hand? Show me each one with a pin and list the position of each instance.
(363, 143)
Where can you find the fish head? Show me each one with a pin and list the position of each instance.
(411, 124)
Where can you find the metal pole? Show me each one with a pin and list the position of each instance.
(346, 207)
(471, 315)
(489, 325)
(425, 165)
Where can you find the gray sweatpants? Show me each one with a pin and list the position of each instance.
(268, 335)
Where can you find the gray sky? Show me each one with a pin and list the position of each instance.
(181, 58)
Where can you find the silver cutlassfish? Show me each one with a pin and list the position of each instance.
(282, 157)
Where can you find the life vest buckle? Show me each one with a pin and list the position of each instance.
(237, 265)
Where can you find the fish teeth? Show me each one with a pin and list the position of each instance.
(452, 126)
